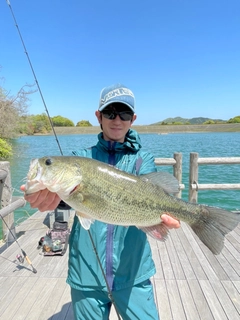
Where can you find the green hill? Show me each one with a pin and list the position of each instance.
(198, 120)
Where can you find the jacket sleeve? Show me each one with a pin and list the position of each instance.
(148, 164)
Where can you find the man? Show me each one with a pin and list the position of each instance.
(124, 253)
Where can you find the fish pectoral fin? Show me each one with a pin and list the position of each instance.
(84, 220)
(158, 232)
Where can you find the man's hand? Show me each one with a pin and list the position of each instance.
(170, 222)
(43, 200)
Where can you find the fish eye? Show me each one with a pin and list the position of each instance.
(48, 162)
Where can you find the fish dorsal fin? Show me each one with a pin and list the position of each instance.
(163, 179)
(84, 220)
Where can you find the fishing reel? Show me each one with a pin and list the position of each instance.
(20, 258)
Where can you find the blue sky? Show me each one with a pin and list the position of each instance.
(179, 57)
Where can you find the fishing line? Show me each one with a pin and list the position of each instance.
(110, 296)
(51, 123)
(15, 239)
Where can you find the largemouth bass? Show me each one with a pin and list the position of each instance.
(98, 191)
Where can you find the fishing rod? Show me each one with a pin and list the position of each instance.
(20, 259)
(51, 123)
(34, 75)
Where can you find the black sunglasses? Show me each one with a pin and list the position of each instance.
(112, 114)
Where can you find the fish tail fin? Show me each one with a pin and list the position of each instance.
(214, 225)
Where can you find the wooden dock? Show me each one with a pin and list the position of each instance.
(190, 283)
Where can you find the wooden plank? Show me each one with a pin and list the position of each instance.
(214, 304)
(208, 270)
(200, 301)
(7, 284)
(225, 300)
(162, 299)
(191, 253)
(176, 305)
(63, 307)
(234, 269)
(165, 261)
(39, 304)
(156, 258)
(29, 299)
(233, 240)
(219, 160)
(235, 234)
(233, 291)
(187, 300)
(218, 263)
(16, 302)
(174, 259)
(183, 257)
(235, 252)
(237, 285)
(54, 297)
(11, 292)
(3, 281)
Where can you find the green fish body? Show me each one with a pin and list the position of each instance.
(98, 191)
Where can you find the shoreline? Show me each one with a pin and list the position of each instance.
(161, 129)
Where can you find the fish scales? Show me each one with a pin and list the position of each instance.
(130, 197)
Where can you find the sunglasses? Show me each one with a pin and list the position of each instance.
(112, 114)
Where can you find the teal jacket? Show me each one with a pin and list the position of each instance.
(125, 253)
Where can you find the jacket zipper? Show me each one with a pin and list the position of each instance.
(110, 227)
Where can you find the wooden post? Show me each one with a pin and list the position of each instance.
(177, 170)
(193, 177)
(5, 201)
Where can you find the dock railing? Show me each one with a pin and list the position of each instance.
(194, 186)
(8, 202)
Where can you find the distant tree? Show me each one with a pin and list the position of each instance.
(177, 123)
(5, 149)
(60, 121)
(12, 107)
(41, 123)
(34, 124)
(209, 122)
(83, 123)
(234, 120)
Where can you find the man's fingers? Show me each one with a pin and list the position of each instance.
(170, 222)
(42, 200)
(49, 203)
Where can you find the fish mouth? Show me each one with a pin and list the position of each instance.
(34, 170)
(33, 177)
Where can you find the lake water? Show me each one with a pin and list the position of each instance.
(165, 145)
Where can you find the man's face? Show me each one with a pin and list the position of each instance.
(115, 129)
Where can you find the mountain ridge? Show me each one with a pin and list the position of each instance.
(195, 120)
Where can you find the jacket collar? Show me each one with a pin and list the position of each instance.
(132, 142)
